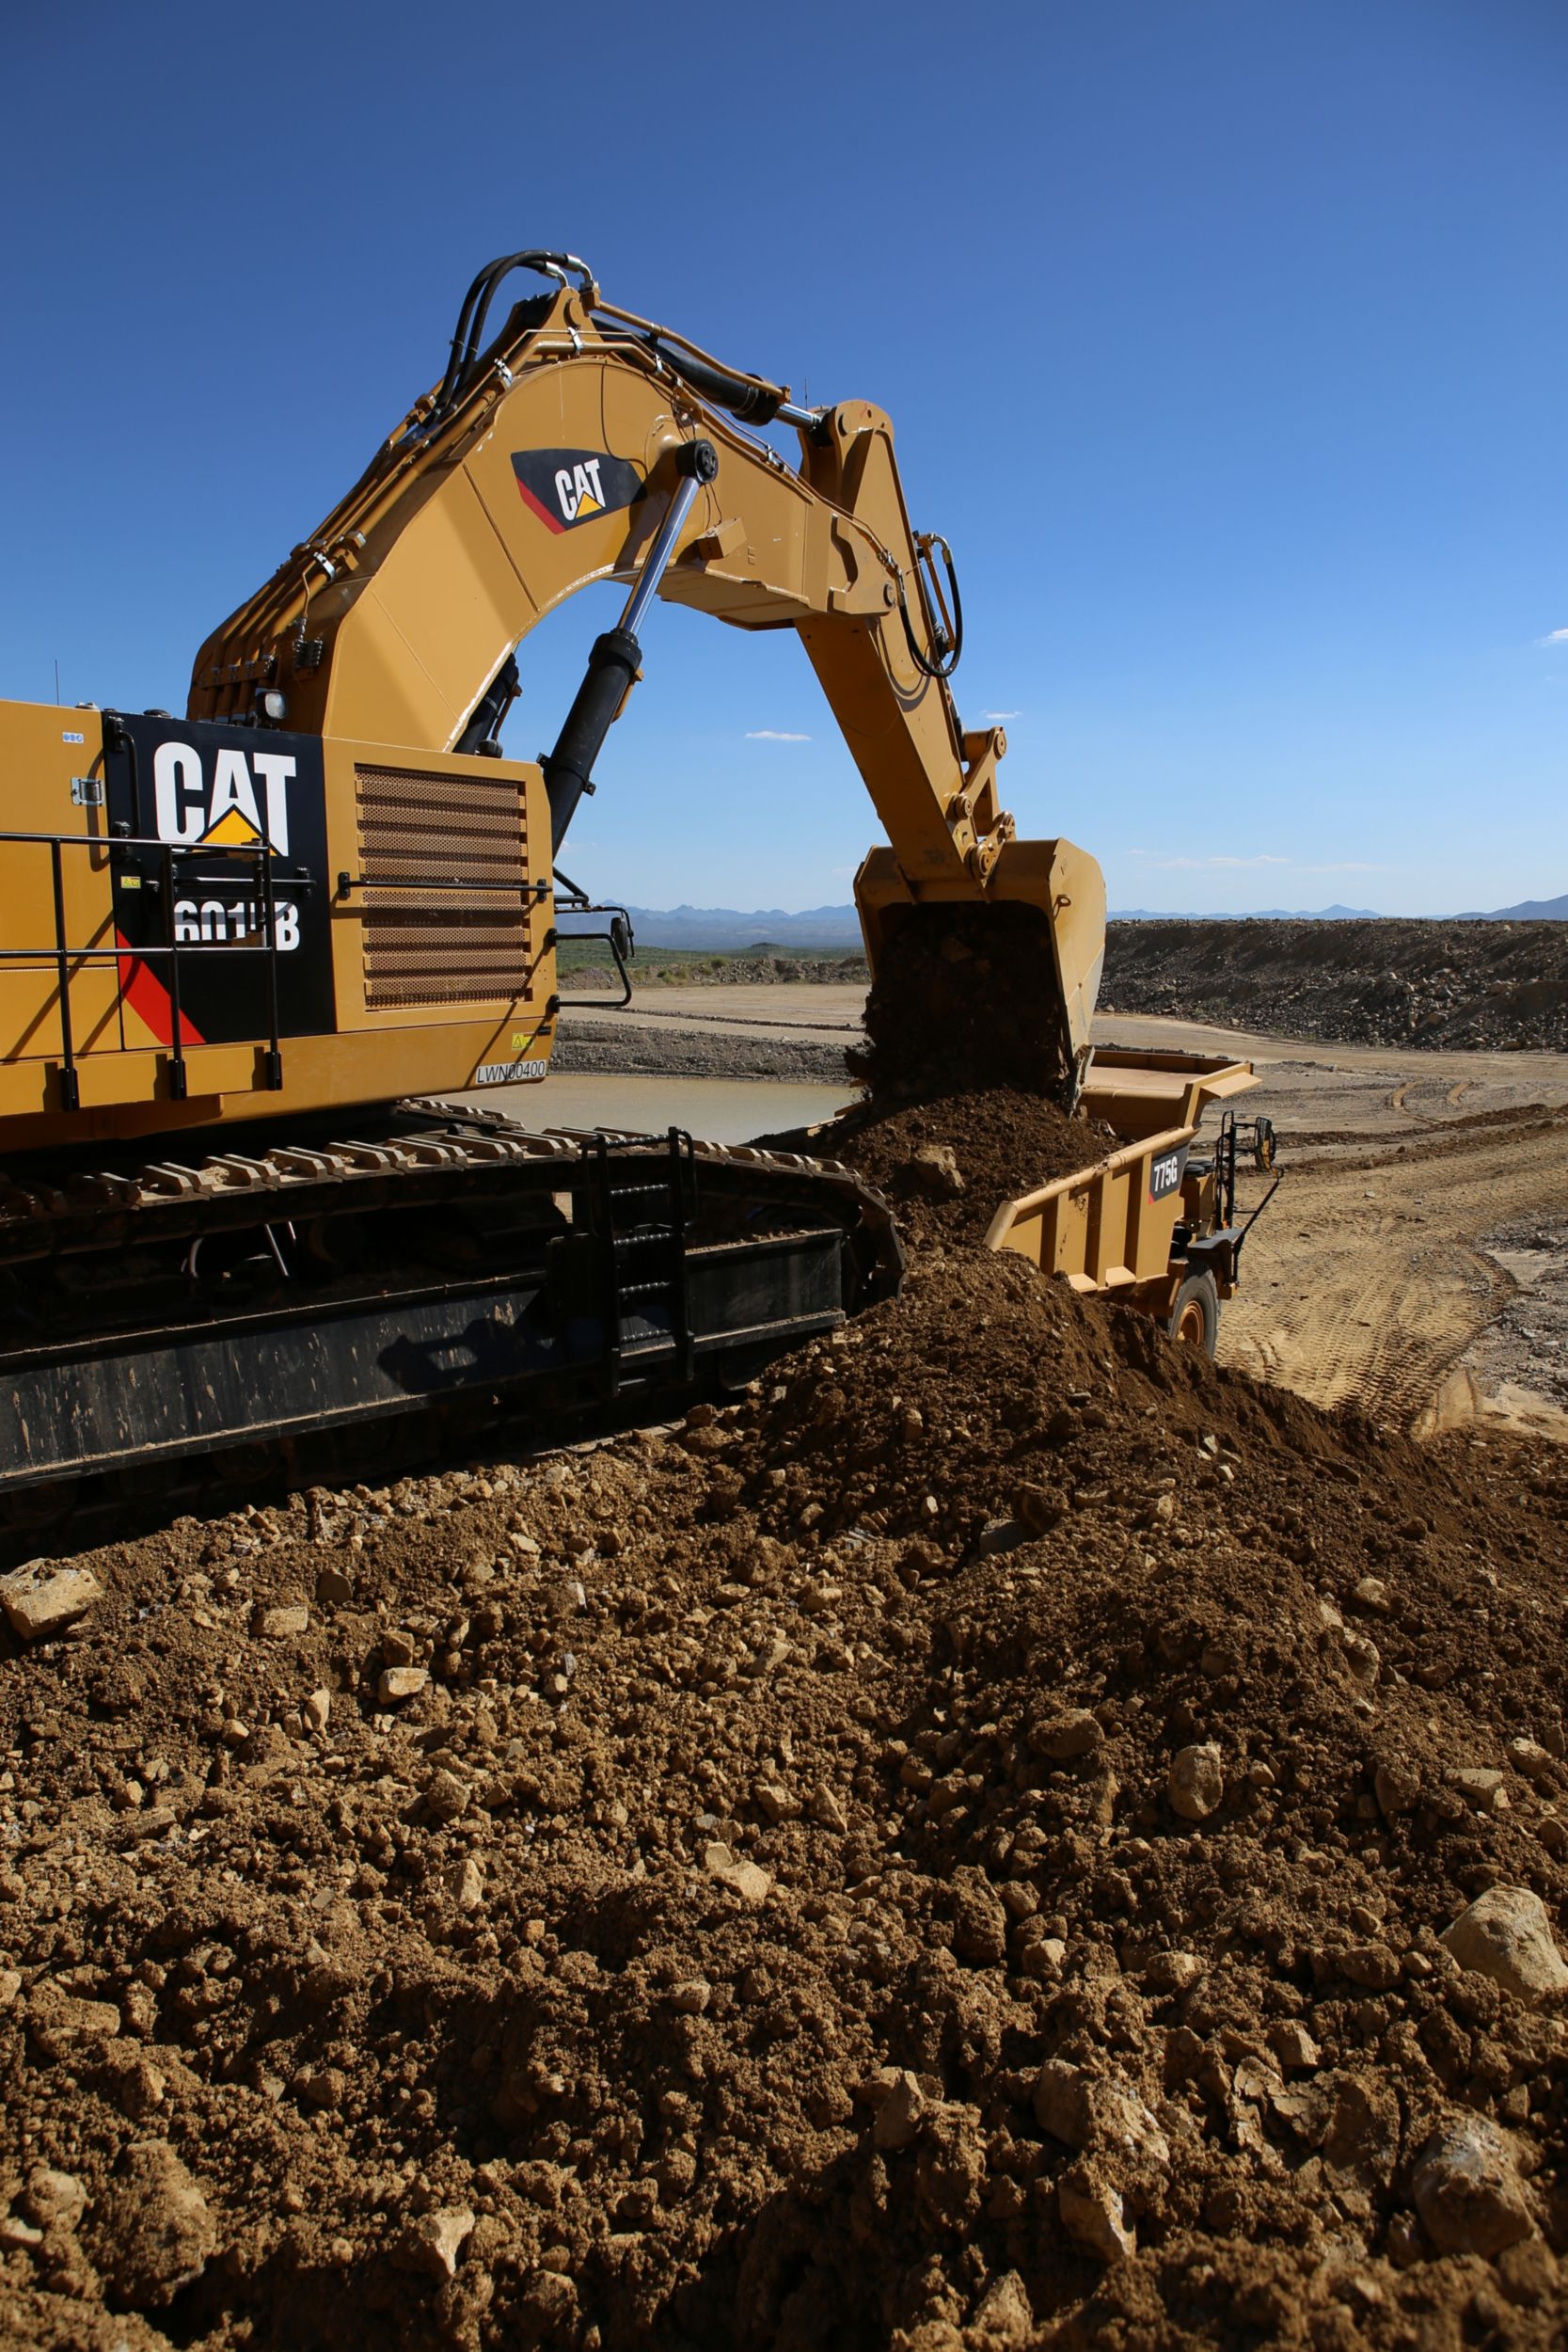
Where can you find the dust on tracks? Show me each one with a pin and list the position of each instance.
(1370, 1280)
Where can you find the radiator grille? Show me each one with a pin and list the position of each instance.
(445, 866)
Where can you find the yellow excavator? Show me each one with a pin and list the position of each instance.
(241, 949)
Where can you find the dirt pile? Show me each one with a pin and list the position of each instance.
(1487, 985)
(948, 1164)
(950, 1851)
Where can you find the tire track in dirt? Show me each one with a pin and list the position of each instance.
(1366, 1281)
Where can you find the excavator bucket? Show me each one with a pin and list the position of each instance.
(997, 989)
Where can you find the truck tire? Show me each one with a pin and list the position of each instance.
(1194, 1319)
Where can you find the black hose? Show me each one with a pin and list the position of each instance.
(469, 330)
(949, 652)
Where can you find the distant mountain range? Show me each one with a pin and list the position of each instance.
(1253, 914)
(826, 929)
(1527, 911)
(829, 930)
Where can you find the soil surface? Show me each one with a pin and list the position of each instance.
(950, 1851)
(1499, 985)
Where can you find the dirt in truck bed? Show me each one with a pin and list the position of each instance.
(957, 1850)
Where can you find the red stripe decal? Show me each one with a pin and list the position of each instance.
(551, 522)
(149, 999)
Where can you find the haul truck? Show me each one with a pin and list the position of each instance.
(244, 948)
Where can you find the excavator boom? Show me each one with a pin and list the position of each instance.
(585, 443)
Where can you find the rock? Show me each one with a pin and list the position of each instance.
(1506, 1936)
(1371, 1964)
(550, 2305)
(151, 2231)
(899, 2114)
(1478, 1785)
(1097, 2112)
(1530, 1758)
(1293, 2046)
(40, 1599)
(1363, 1658)
(1061, 2101)
(399, 1682)
(1005, 2321)
(56, 2201)
(690, 1997)
(334, 1586)
(1173, 1972)
(1529, 2272)
(446, 1796)
(776, 1802)
(1092, 2215)
(139, 2088)
(1370, 1594)
(936, 1170)
(283, 1622)
(433, 2242)
(1038, 1508)
(10, 1985)
(979, 1918)
(317, 1708)
(1467, 2189)
(744, 1878)
(825, 1810)
(1066, 1737)
(1396, 1785)
(1196, 1782)
(465, 1882)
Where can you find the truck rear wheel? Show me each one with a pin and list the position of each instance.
(1194, 1319)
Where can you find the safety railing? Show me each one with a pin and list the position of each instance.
(174, 951)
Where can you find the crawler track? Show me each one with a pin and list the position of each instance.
(180, 1308)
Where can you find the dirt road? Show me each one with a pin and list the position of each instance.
(1370, 1279)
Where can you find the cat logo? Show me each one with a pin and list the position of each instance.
(568, 487)
(227, 814)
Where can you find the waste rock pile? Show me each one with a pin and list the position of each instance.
(1495, 986)
(1003, 1835)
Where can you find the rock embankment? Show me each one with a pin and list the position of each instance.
(1495, 986)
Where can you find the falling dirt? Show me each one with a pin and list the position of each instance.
(950, 1851)
(963, 1001)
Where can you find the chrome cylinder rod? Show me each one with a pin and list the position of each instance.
(699, 465)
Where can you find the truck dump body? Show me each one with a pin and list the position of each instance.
(1111, 1226)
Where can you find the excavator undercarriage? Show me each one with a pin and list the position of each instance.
(229, 1298)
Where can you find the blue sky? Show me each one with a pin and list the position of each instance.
(1225, 339)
